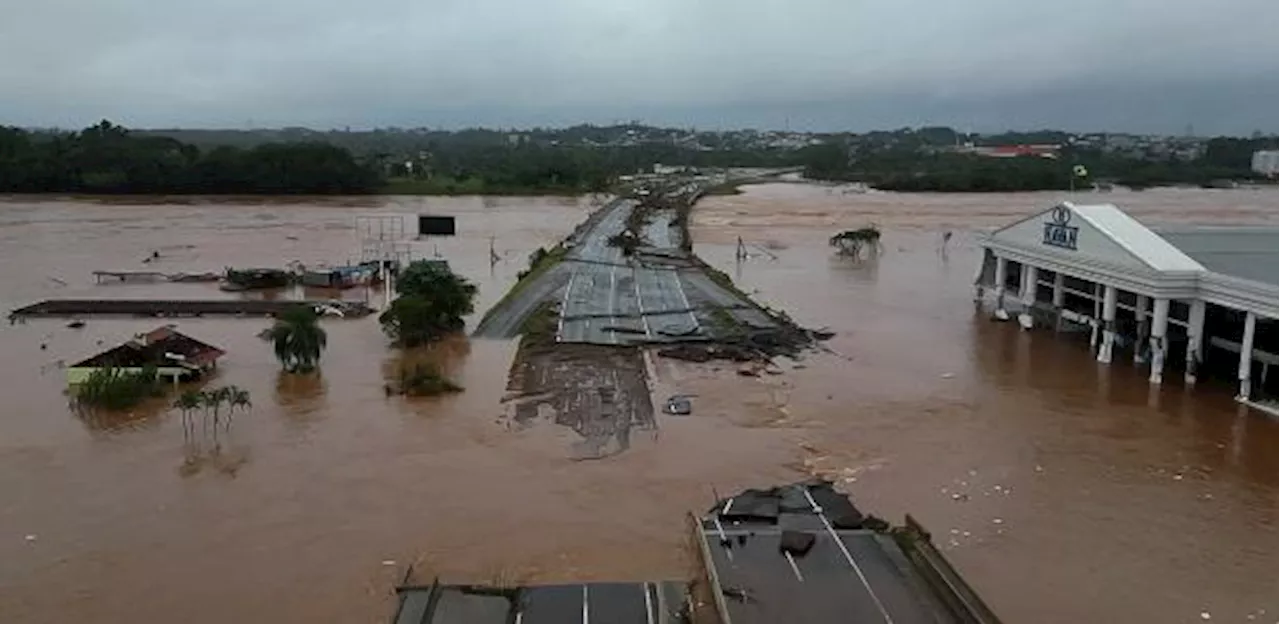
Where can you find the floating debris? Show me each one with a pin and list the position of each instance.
(679, 406)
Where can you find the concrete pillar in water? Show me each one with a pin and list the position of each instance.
(1002, 272)
(1059, 298)
(1097, 314)
(1159, 328)
(977, 279)
(1140, 315)
(1109, 295)
(1246, 356)
(1029, 277)
(1195, 340)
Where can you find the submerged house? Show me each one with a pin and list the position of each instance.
(1200, 300)
(175, 356)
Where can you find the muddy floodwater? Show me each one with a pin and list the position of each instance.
(1065, 491)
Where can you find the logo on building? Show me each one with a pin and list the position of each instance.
(1058, 232)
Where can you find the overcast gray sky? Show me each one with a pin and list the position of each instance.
(1139, 65)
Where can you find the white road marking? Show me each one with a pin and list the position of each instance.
(848, 557)
(685, 299)
(648, 604)
(644, 320)
(794, 568)
(586, 609)
(564, 305)
(613, 295)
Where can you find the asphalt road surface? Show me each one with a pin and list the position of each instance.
(611, 299)
(607, 298)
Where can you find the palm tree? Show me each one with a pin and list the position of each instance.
(236, 398)
(224, 395)
(240, 398)
(188, 402)
(213, 401)
(298, 339)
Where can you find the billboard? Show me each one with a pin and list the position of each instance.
(429, 225)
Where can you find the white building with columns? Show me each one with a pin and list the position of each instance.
(1200, 300)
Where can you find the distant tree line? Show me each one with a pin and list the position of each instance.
(578, 159)
(538, 168)
(913, 169)
(109, 159)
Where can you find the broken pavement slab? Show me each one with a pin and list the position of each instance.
(781, 548)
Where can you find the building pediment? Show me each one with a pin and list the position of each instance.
(1094, 234)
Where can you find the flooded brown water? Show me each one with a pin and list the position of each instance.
(1084, 496)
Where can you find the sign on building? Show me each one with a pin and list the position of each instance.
(1058, 232)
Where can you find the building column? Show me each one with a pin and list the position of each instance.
(1059, 298)
(1109, 295)
(1195, 340)
(1002, 272)
(1159, 328)
(1097, 314)
(978, 290)
(1246, 356)
(1029, 276)
(1140, 315)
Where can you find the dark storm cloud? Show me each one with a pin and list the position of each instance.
(838, 63)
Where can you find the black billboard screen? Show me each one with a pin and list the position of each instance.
(436, 226)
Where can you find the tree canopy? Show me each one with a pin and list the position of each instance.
(110, 159)
(433, 301)
(298, 339)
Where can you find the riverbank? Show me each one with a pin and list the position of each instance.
(452, 187)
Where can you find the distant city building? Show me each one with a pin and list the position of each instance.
(1265, 162)
(1013, 151)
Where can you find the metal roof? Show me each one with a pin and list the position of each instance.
(1246, 252)
(1140, 241)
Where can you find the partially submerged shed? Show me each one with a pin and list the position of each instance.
(174, 355)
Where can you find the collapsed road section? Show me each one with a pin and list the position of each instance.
(624, 280)
(628, 276)
(799, 553)
(803, 553)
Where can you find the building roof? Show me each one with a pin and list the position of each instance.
(1140, 241)
(159, 347)
(1246, 252)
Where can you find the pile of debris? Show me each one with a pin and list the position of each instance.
(756, 344)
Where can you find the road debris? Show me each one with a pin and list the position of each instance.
(679, 405)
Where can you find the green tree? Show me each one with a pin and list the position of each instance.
(298, 339)
(433, 301)
(117, 389)
(187, 403)
(213, 403)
